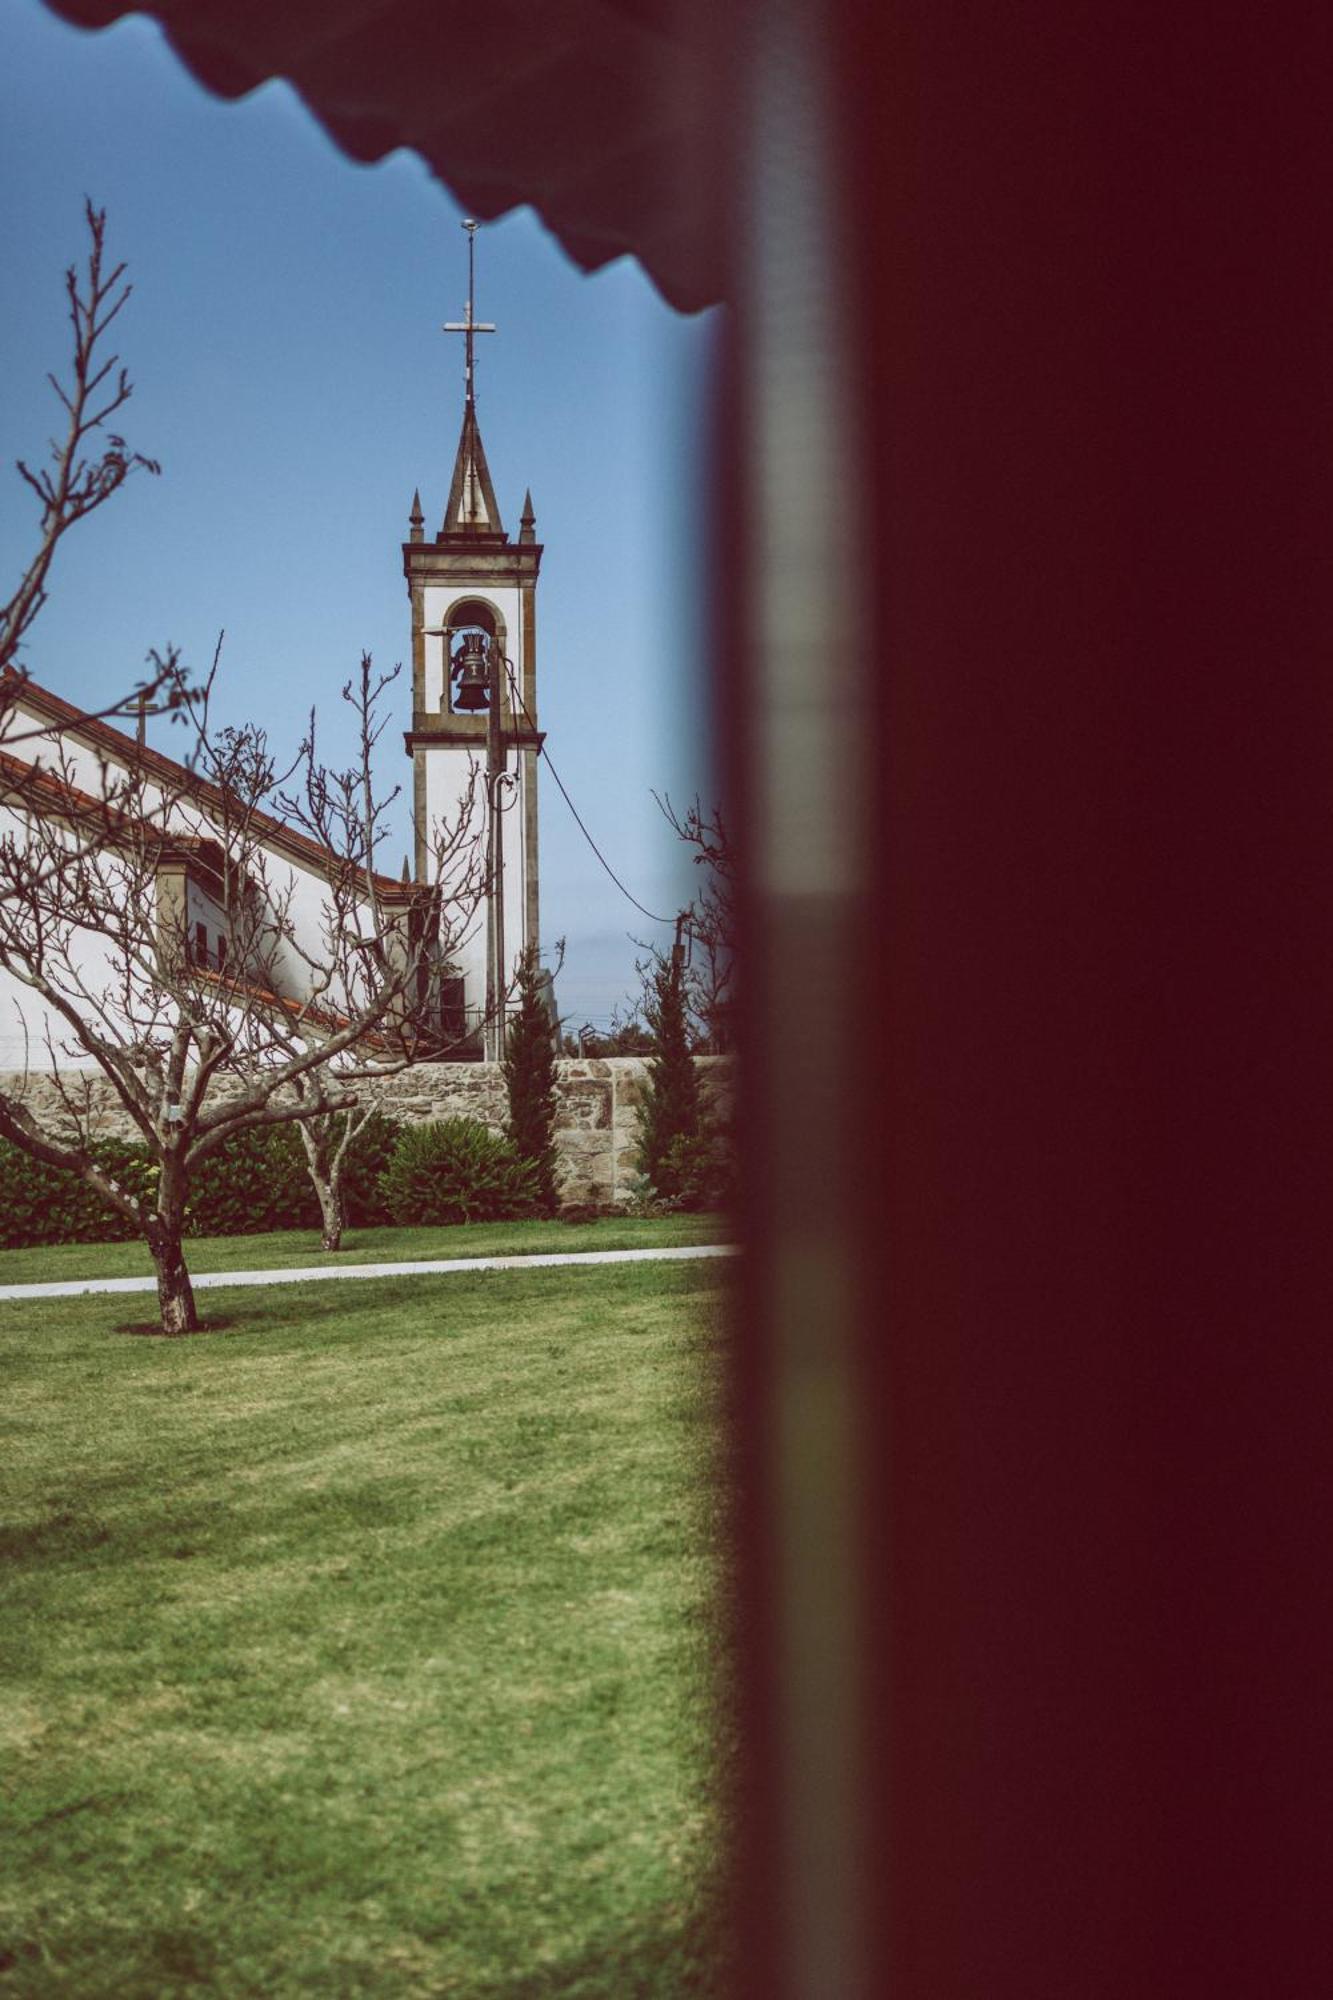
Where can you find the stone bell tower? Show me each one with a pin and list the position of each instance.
(474, 734)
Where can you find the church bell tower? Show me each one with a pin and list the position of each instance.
(474, 734)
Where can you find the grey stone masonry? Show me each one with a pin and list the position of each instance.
(597, 1130)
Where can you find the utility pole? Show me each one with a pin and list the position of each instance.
(469, 326)
(679, 959)
(496, 775)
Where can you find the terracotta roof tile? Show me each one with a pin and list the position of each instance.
(124, 749)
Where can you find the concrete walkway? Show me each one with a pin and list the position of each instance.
(434, 1267)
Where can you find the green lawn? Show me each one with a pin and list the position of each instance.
(300, 1247)
(367, 1644)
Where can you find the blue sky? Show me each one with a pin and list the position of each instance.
(289, 372)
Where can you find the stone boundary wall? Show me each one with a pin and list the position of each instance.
(597, 1131)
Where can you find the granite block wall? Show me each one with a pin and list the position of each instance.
(596, 1099)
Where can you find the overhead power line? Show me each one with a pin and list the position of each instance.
(545, 754)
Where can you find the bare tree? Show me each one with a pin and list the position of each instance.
(86, 464)
(327, 1138)
(341, 811)
(219, 968)
(710, 974)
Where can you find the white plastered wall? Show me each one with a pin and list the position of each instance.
(288, 883)
(450, 775)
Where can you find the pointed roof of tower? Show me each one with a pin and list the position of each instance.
(472, 508)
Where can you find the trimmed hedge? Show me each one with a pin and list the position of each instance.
(256, 1181)
(457, 1170)
(364, 1203)
(40, 1204)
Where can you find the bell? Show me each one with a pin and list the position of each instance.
(474, 682)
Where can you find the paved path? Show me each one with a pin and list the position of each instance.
(435, 1267)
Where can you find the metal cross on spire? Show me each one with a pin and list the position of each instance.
(467, 326)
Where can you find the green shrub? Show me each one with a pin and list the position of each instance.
(364, 1205)
(455, 1170)
(703, 1168)
(256, 1181)
(40, 1204)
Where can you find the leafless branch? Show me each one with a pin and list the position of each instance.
(78, 478)
(710, 975)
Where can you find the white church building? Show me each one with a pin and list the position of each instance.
(473, 740)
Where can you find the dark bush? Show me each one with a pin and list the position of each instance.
(41, 1204)
(455, 1170)
(256, 1181)
(703, 1168)
(364, 1205)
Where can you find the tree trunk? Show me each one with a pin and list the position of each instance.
(324, 1165)
(175, 1293)
(331, 1210)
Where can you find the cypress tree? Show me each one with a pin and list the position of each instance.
(670, 1107)
(529, 1067)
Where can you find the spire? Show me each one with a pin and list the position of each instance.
(471, 508)
(416, 517)
(527, 525)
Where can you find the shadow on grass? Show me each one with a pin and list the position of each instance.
(175, 1959)
(670, 1964)
(439, 1302)
(151, 1329)
(286, 1307)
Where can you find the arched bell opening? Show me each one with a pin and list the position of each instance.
(473, 630)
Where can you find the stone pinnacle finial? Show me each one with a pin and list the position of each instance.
(416, 518)
(407, 873)
(527, 524)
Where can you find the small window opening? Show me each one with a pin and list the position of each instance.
(453, 1021)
